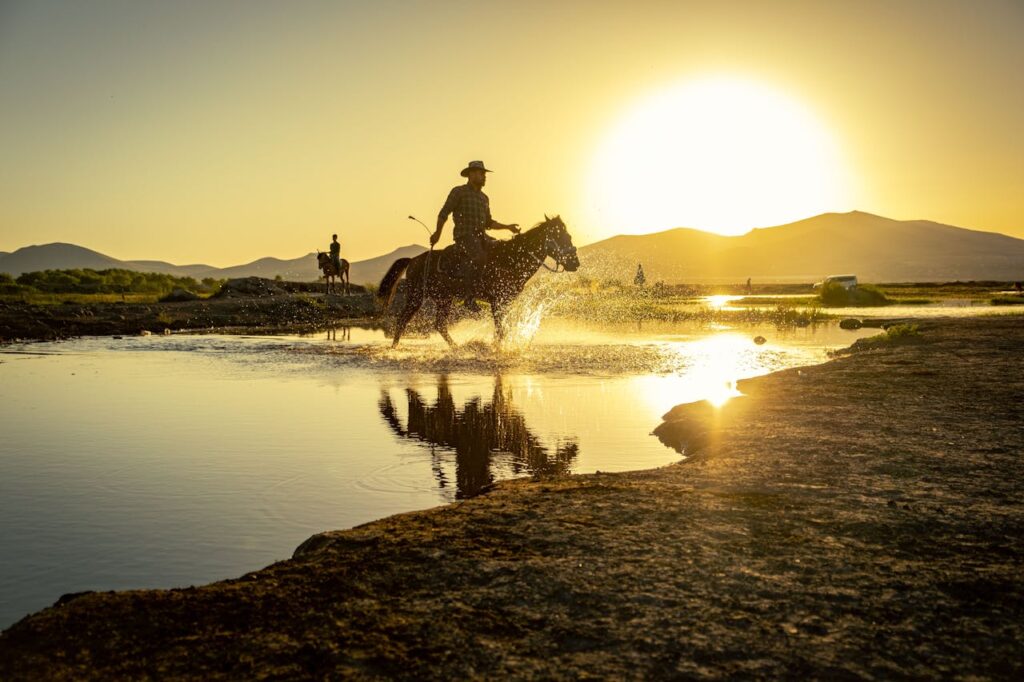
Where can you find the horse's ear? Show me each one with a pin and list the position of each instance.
(546, 218)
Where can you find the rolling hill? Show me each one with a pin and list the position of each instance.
(66, 256)
(48, 256)
(872, 247)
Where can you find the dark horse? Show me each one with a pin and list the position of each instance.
(509, 265)
(325, 263)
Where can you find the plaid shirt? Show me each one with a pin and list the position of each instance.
(471, 209)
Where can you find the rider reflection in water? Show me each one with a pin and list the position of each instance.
(472, 214)
(481, 434)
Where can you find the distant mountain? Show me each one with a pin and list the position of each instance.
(198, 271)
(872, 247)
(57, 255)
(373, 269)
(302, 269)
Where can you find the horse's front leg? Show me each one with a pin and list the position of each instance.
(498, 313)
(441, 316)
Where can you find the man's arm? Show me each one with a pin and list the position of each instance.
(449, 206)
(495, 225)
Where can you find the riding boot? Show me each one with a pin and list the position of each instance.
(469, 287)
(469, 296)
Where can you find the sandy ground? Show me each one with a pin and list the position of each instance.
(858, 519)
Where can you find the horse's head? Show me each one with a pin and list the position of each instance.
(321, 257)
(558, 244)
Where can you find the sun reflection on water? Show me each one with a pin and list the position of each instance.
(719, 301)
(713, 365)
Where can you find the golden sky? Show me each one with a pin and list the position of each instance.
(222, 132)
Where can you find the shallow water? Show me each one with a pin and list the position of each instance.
(948, 307)
(178, 460)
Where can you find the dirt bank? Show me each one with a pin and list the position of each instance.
(863, 518)
(276, 308)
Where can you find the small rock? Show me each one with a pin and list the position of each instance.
(179, 296)
(760, 340)
(850, 323)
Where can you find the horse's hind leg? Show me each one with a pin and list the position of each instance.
(444, 310)
(412, 304)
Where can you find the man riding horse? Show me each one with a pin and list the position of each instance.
(471, 210)
(336, 253)
(333, 265)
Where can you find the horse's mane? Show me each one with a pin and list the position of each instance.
(523, 237)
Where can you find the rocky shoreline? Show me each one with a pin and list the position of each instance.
(858, 519)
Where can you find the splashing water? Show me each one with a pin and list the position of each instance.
(522, 321)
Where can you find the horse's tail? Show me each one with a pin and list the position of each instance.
(386, 290)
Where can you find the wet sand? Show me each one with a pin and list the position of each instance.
(861, 518)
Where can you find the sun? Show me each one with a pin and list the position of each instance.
(722, 154)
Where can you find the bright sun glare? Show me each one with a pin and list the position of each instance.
(721, 154)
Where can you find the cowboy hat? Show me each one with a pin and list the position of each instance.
(474, 165)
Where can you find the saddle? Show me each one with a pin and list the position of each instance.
(452, 261)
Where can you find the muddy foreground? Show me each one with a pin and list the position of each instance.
(863, 518)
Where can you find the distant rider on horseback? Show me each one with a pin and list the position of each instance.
(471, 210)
(336, 253)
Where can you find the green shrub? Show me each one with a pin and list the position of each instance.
(835, 295)
(111, 281)
(896, 335)
(898, 332)
(1008, 300)
(868, 295)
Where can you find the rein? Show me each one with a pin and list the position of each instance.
(543, 259)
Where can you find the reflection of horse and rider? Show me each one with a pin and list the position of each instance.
(480, 433)
(476, 266)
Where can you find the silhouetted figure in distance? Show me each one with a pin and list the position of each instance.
(336, 253)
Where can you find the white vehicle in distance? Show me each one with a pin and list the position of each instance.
(846, 281)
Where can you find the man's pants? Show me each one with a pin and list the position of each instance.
(474, 249)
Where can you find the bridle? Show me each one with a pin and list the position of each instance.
(547, 248)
